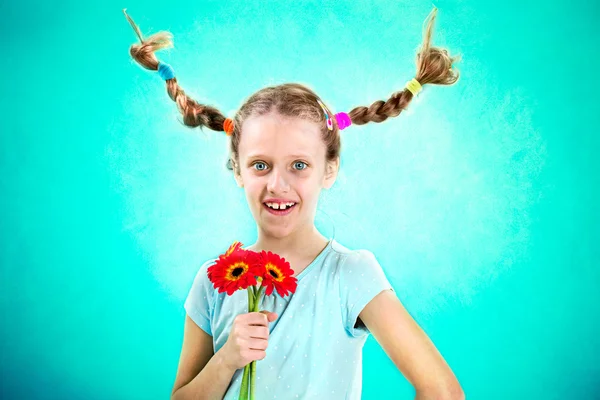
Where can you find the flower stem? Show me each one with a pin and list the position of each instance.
(257, 297)
(251, 296)
(244, 387)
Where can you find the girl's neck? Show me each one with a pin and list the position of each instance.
(299, 246)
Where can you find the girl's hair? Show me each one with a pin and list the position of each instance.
(434, 66)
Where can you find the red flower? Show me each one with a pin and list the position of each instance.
(234, 270)
(236, 246)
(276, 273)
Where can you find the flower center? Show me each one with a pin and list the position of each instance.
(237, 272)
(273, 273)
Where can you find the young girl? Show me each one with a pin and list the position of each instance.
(285, 148)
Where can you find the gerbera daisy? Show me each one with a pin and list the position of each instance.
(234, 270)
(235, 246)
(276, 273)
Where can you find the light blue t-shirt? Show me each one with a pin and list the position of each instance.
(315, 349)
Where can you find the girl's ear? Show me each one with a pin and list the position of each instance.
(238, 179)
(236, 175)
(331, 171)
(239, 182)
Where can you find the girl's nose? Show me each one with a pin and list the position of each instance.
(277, 182)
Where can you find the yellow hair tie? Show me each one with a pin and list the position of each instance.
(414, 86)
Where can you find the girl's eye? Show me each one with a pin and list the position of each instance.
(258, 163)
(295, 164)
(300, 163)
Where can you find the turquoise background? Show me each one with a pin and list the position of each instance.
(480, 201)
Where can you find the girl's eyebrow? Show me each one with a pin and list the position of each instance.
(290, 156)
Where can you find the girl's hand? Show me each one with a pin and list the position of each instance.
(248, 339)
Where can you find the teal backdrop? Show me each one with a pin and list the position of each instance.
(480, 202)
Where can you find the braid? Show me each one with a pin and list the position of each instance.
(434, 65)
(194, 113)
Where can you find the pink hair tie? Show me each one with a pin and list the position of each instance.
(343, 120)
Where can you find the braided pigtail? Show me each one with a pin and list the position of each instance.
(194, 114)
(434, 66)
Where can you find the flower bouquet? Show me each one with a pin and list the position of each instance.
(239, 269)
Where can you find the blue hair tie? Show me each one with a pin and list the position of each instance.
(165, 71)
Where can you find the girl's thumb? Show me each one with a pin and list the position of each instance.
(271, 316)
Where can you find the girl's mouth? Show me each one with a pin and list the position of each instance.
(280, 212)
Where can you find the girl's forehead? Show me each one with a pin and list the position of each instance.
(274, 122)
(275, 135)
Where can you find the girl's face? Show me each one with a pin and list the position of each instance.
(282, 159)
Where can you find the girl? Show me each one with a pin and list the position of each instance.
(285, 148)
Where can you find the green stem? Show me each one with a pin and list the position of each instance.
(251, 296)
(244, 387)
(253, 363)
(252, 376)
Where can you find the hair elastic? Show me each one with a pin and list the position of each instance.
(414, 86)
(165, 71)
(343, 120)
(228, 126)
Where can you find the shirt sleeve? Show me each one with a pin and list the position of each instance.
(361, 279)
(199, 303)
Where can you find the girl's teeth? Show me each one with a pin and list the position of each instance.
(278, 206)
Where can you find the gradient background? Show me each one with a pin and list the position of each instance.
(480, 201)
